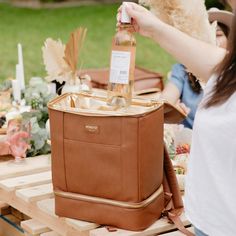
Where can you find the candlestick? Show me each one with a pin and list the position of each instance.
(18, 74)
(21, 65)
(16, 90)
(52, 88)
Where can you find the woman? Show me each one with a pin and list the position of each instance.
(183, 87)
(210, 185)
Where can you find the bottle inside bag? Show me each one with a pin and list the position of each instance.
(122, 65)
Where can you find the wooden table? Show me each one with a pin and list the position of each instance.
(27, 187)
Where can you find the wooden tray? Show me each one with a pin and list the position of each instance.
(3, 131)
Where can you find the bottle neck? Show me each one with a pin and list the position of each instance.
(126, 26)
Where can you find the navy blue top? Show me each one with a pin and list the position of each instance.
(179, 78)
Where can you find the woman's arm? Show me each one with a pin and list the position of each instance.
(174, 88)
(170, 93)
(199, 57)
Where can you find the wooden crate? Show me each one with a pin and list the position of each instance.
(10, 226)
(28, 188)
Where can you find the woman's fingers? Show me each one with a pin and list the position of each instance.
(130, 7)
(131, 10)
(184, 108)
(142, 20)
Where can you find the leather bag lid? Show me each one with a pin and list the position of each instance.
(140, 106)
(172, 114)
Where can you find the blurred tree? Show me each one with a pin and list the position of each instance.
(209, 3)
(49, 1)
(216, 3)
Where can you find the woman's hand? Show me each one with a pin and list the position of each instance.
(187, 50)
(142, 19)
(183, 107)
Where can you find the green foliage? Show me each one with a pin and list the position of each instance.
(214, 3)
(5, 85)
(39, 136)
(37, 96)
(51, 1)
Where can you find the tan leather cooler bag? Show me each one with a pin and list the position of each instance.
(108, 167)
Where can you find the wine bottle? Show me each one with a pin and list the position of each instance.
(121, 80)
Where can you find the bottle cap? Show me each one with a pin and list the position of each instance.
(125, 18)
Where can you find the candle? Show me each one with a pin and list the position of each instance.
(52, 88)
(16, 90)
(18, 74)
(21, 66)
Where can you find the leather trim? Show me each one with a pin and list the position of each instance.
(81, 197)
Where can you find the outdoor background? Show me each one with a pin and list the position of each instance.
(30, 27)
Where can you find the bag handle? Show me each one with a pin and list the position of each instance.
(173, 200)
(170, 182)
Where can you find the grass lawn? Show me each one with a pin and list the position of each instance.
(31, 28)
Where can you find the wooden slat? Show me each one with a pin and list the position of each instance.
(31, 209)
(8, 230)
(6, 158)
(3, 131)
(48, 205)
(159, 226)
(5, 209)
(178, 233)
(2, 137)
(52, 233)
(36, 193)
(14, 220)
(17, 213)
(81, 225)
(30, 166)
(34, 227)
(28, 234)
(26, 181)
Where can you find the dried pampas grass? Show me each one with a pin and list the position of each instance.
(73, 48)
(61, 60)
(53, 57)
(189, 16)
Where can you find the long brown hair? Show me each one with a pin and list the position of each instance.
(193, 80)
(194, 83)
(226, 82)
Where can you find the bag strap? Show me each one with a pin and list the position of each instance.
(173, 200)
(179, 224)
(170, 182)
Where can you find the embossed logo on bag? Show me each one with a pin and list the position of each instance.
(94, 129)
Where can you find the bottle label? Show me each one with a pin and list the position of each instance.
(122, 64)
(120, 67)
